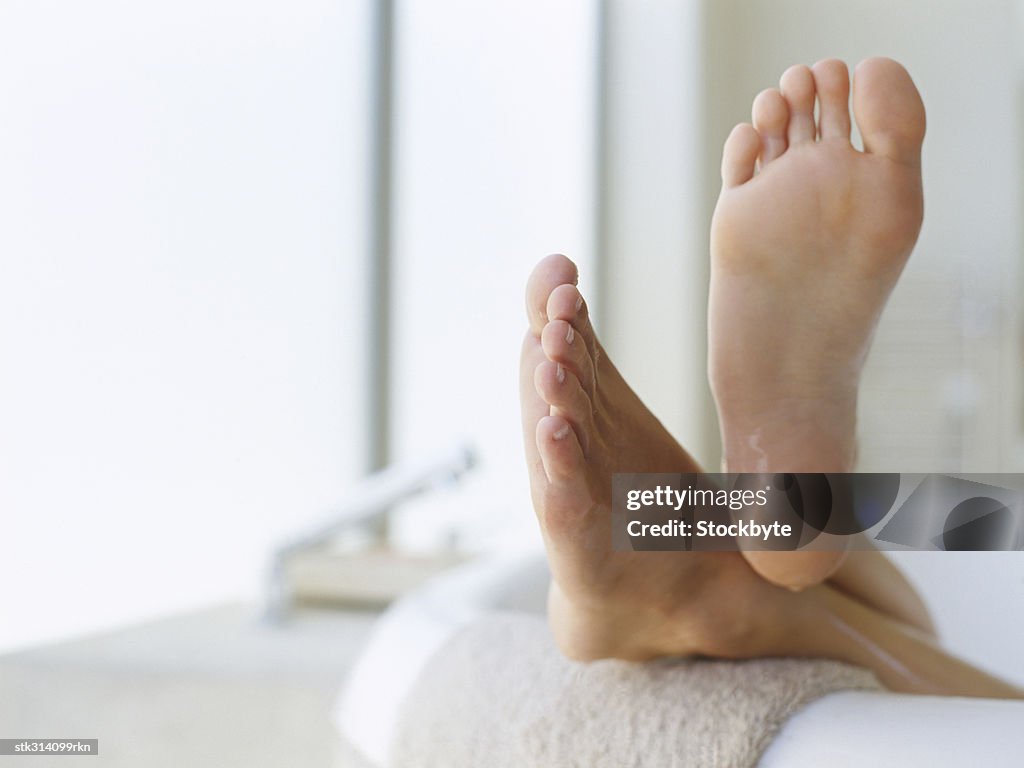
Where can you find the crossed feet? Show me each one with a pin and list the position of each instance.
(808, 239)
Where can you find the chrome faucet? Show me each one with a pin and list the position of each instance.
(367, 509)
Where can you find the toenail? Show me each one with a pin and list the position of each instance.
(570, 335)
(560, 373)
(562, 433)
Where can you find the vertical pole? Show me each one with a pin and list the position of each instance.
(378, 358)
(602, 54)
(381, 147)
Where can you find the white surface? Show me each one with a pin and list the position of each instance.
(409, 633)
(844, 729)
(977, 602)
(883, 730)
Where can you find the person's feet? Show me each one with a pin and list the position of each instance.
(807, 241)
(641, 605)
(582, 423)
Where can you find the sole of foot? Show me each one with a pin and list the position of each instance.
(808, 239)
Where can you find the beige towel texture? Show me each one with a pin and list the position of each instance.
(500, 695)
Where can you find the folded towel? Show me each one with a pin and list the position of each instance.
(499, 694)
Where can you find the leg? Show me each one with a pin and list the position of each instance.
(903, 658)
(870, 577)
(805, 252)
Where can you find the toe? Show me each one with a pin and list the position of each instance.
(562, 344)
(560, 389)
(560, 453)
(567, 303)
(771, 118)
(797, 85)
(551, 272)
(889, 111)
(832, 83)
(740, 155)
(532, 405)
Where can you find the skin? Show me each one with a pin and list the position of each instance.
(808, 239)
(582, 422)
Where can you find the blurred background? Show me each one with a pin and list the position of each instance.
(252, 251)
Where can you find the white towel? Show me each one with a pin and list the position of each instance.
(499, 694)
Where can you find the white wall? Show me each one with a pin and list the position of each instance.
(180, 248)
(658, 214)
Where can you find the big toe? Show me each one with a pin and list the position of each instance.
(889, 110)
(565, 498)
(550, 272)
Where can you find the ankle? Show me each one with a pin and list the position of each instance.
(585, 631)
(797, 436)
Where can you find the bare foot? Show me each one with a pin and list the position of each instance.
(805, 250)
(581, 424)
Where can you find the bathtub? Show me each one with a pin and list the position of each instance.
(842, 729)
